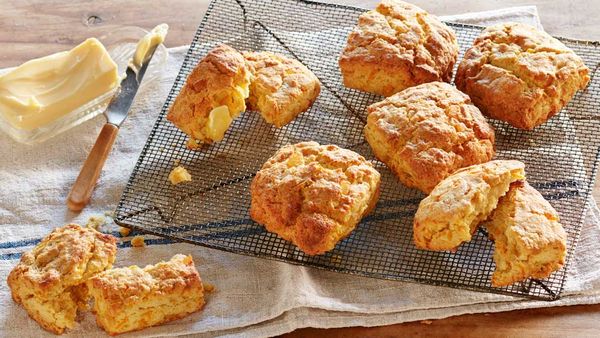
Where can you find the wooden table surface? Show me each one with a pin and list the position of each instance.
(36, 28)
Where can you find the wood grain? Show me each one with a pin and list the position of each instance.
(35, 28)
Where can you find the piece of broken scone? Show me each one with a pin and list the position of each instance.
(458, 204)
(529, 240)
(49, 280)
(214, 94)
(133, 298)
(281, 87)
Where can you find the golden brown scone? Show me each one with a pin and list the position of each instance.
(395, 46)
(529, 240)
(48, 279)
(427, 132)
(518, 74)
(313, 195)
(214, 94)
(451, 213)
(132, 298)
(281, 87)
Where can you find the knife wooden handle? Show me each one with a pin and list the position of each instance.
(88, 176)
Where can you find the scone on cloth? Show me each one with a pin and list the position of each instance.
(314, 195)
(395, 46)
(457, 205)
(213, 95)
(49, 279)
(281, 87)
(518, 74)
(133, 298)
(529, 240)
(425, 133)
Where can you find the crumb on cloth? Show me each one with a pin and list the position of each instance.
(95, 222)
(209, 287)
(138, 241)
(124, 231)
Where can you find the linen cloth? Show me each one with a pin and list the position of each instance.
(253, 297)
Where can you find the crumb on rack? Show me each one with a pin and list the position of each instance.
(428, 322)
(179, 174)
(176, 162)
(208, 287)
(124, 231)
(94, 222)
(138, 241)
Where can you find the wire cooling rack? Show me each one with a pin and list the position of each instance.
(561, 158)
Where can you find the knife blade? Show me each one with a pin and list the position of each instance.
(115, 113)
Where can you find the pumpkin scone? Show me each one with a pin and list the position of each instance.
(49, 279)
(521, 75)
(457, 205)
(133, 298)
(214, 94)
(529, 240)
(281, 87)
(395, 46)
(425, 133)
(314, 195)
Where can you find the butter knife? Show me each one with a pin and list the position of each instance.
(115, 113)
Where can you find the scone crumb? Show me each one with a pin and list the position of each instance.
(176, 162)
(124, 231)
(209, 287)
(179, 174)
(95, 222)
(109, 213)
(428, 322)
(138, 241)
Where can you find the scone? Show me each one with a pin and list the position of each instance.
(451, 213)
(281, 87)
(132, 298)
(529, 240)
(214, 94)
(313, 195)
(425, 133)
(518, 74)
(395, 46)
(48, 281)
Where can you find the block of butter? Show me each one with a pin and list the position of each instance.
(43, 90)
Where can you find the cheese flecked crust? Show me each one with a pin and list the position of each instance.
(518, 74)
(529, 240)
(48, 281)
(221, 79)
(133, 298)
(451, 213)
(281, 87)
(395, 46)
(425, 133)
(314, 195)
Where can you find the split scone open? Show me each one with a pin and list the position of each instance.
(458, 204)
(395, 46)
(49, 280)
(425, 133)
(521, 75)
(314, 195)
(213, 95)
(281, 87)
(132, 298)
(529, 240)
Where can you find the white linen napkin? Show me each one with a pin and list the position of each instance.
(253, 297)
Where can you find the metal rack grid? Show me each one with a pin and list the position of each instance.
(561, 159)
